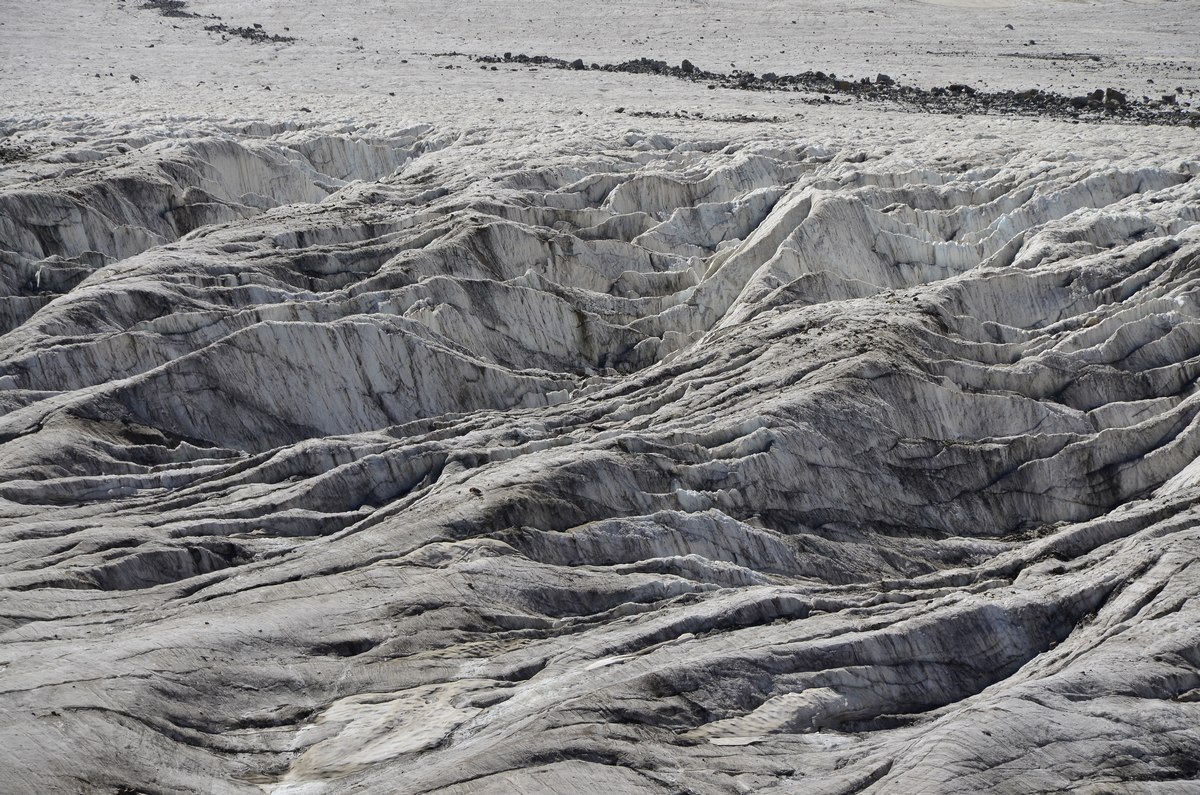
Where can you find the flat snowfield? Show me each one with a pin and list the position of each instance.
(545, 397)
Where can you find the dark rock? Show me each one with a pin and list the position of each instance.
(254, 35)
(965, 98)
(577, 64)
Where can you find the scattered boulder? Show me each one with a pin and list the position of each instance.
(884, 80)
(577, 64)
(687, 67)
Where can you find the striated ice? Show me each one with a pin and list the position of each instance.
(522, 449)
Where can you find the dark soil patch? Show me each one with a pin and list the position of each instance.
(14, 153)
(735, 118)
(253, 33)
(957, 98)
(169, 8)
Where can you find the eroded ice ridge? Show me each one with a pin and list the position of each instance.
(421, 461)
